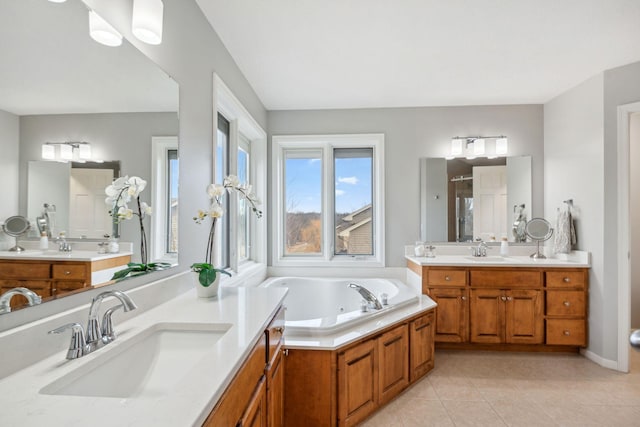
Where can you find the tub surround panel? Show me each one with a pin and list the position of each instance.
(248, 310)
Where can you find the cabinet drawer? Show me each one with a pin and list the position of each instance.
(69, 271)
(25, 270)
(565, 279)
(448, 277)
(505, 278)
(566, 303)
(274, 334)
(566, 332)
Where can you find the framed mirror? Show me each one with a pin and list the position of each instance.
(463, 200)
(62, 86)
(16, 226)
(538, 230)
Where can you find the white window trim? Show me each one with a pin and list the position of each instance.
(281, 143)
(241, 122)
(160, 145)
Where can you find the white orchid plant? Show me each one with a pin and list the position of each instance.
(207, 273)
(119, 194)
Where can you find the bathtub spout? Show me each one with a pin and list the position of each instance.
(367, 295)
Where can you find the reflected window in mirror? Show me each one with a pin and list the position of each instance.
(244, 232)
(164, 199)
(222, 169)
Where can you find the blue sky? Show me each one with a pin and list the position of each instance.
(303, 184)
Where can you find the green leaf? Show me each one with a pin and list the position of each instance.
(206, 277)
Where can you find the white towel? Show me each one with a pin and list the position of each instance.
(564, 235)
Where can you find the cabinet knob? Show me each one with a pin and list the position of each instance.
(509, 298)
(503, 298)
(566, 303)
(463, 298)
(566, 332)
(566, 280)
(67, 272)
(447, 278)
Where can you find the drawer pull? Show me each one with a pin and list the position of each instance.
(67, 272)
(509, 298)
(566, 303)
(503, 298)
(447, 278)
(566, 280)
(463, 298)
(566, 332)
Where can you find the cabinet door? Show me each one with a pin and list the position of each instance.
(255, 414)
(487, 315)
(451, 314)
(275, 390)
(393, 367)
(524, 317)
(357, 383)
(421, 346)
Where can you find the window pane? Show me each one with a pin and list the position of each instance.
(353, 168)
(221, 259)
(303, 202)
(172, 196)
(243, 206)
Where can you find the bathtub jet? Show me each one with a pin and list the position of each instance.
(371, 299)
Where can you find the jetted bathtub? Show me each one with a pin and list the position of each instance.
(320, 306)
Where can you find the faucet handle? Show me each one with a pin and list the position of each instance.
(78, 346)
(108, 334)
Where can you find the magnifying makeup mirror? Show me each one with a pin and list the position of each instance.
(16, 226)
(538, 230)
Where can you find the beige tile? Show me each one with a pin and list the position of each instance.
(455, 388)
(522, 414)
(422, 413)
(421, 390)
(493, 389)
(472, 414)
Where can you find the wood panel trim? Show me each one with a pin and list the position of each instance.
(105, 264)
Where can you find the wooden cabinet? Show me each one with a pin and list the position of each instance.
(421, 346)
(506, 307)
(506, 316)
(255, 396)
(366, 374)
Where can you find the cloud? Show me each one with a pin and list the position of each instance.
(312, 161)
(348, 180)
(340, 192)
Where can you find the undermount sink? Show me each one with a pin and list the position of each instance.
(149, 364)
(486, 258)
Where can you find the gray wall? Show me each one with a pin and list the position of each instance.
(411, 133)
(9, 143)
(573, 152)
(114, 136)
(190, 53)
(634, 211)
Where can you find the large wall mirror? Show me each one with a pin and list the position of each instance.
(61, 85)
(462, 200)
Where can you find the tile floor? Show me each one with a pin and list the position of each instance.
(516, 389)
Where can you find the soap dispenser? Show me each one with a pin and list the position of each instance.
(504, 247)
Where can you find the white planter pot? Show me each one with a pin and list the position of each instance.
(210, 291)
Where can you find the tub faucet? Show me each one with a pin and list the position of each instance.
(5, 299)
(367, 295)
(95, 338)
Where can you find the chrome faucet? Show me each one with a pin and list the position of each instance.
(63, 245)
(371, 299)
(95, 338)
(480, 250)
(5, 299)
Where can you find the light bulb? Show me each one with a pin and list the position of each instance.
(146, 22)
(102, 32)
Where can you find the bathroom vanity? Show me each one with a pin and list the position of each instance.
(510, 303)
(51, 274)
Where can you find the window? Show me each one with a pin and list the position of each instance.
(172, 206)
(244, 213)
(221, 259)
(330, 199)
(164, 199)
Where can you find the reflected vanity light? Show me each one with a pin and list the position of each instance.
(475, 146)
(146, 22)
(57, 1)
(66, 151)
(102, 32)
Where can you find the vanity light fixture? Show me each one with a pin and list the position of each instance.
(57, 1)
(475, 146)
(66, 150)
(146, 22)
(103, 32)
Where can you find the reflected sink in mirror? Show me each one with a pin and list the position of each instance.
(149, 364)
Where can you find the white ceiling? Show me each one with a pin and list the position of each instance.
(50, 65)
(308, 54)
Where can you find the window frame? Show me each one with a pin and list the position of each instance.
(160, 147)
(327, 143)
(243, 126)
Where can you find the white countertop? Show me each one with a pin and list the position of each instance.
(358, 330)
(576, 259)
(248, 310)
(55, 255)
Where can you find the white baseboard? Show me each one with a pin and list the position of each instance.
(605, 363)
